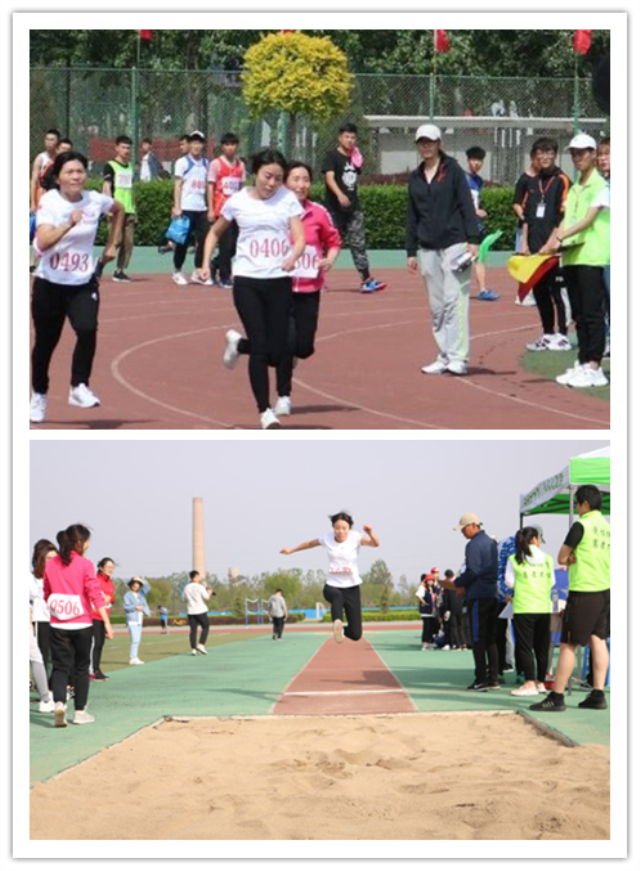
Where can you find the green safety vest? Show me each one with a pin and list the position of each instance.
(123, 185)
(532, 590)
(591, 570)
(594, 247)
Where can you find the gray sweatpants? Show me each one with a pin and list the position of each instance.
(449, 302)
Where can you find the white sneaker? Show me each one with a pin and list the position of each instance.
(435, 368)
(38, 408)
(231, 354)
(83, 397)
(599, 378)
(282, 406)
(338, 631)
(202, 649)
(194, 652)
(524, 691)
(179, 278)
(588, 377)
(544, 343)
(268, 420)
(61, 714)
(195, 279)
(560, 343)
(457, 367)
(529, 299)
(446, 647)
(47, 707)
(568, 375)
(81, 718)
(136, 661)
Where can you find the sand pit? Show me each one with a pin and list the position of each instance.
(401, 777)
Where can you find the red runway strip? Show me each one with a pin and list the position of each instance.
(347, 678)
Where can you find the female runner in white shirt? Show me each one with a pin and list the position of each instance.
(65, 284)
(268, 218)
(342, 589)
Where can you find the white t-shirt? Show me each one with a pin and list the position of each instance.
(145, 172)
(39, 608)
(196, 597)
(265, 240)
(70, 261)
(193, 195)
(343, 559)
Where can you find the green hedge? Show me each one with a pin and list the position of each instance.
(222, 620)
(378, 616)
(385, 208)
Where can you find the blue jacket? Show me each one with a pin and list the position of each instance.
(480, 577)
(130, 602)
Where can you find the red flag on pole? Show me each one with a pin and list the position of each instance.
(581, 41)
(287, 31)
(441, 41)
(147, 35)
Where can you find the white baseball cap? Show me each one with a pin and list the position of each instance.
(582, 140)
(428, 131)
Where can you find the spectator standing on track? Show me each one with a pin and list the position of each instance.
(227, 175)
(428, 611)
(586, 550)
(278, 613)
(504, 634)
(268, 218)
(135, 605)
(65, 285)
(604, 166)
(105, 571)
(321, 251)
(183, 147)
(518, 208)
(475, 159)
(442, 228)
(43, 551)
(342, 589)
(118, 184)
(150, 166)
(543, 210)
(70, 589)
(341, 168)
(586, 224)
(480, 582)
(195, 594)
(164, 619)
(530, 575)
(190, 200)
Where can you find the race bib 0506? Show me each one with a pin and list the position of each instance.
(308, 264)
(65, 606)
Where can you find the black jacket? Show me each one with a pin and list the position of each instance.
(480, 577)
(440, 213)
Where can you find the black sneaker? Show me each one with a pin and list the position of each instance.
(598, 702)
(550, 704)
(478, 687)
(98, 675)
(494, 686)
(119, 275)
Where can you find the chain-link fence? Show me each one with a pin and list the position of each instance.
(503, 115)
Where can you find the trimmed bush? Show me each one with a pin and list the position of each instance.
(379, 617)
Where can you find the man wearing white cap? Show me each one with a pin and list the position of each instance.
(442, 240)
(480, 583)
(586, 227)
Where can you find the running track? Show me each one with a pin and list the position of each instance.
(158, 365)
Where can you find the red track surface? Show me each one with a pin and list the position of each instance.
(347, 678)
(159, 366)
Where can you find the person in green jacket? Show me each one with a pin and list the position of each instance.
(529, 573)
(586, 550)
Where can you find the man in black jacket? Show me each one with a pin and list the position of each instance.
(441, 228)
(480, 581)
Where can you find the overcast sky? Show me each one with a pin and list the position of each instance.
(137, 497)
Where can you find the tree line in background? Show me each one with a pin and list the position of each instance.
(300, 589)
(522, 53)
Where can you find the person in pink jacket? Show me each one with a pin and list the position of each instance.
(70, 589)
(321, 251)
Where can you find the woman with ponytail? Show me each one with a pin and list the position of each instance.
(530, 574)
(70, 590)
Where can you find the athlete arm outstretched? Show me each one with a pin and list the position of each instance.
(305, 546)
(371, 539)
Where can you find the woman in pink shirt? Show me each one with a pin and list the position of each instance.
(322, 246)
(70, 589)
(105, 570)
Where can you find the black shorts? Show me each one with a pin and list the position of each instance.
(586, 614)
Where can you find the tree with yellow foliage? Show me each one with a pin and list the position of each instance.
(296, 74)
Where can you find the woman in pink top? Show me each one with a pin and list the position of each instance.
(322, 246)
(70, 589)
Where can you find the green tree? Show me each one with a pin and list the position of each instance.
(378, 573)
(385, 597)
(288, 581)
(295, 74)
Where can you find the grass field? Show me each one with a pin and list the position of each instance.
(552, 363)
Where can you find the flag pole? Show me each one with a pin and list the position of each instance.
(576, 96)
(135, 87)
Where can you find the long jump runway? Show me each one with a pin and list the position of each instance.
(159, 365)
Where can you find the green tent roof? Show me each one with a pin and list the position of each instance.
(554, 495)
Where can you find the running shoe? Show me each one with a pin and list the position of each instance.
(282, 407)
(588, 377)
(268, 420)
(554, 702)
(82, 397)
(136, 661)
(98, 675)
(120, 275)
(488, 295)
(524, 691)
(60, 715)
(225, 284)
(194, 652)
(457, 367)
(82, 718)
(179, 278)
(560, 343)
(595, 700)
(435, 368)
(478, 687)
(494, 686)
(202, 649)
(544, 343)
(231, 353)
(371, 285)
(195, 279)
(569, 374)
(338, 631)
(38, 408)
(47, 707)
(529, 299)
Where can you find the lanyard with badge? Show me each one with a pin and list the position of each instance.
(542, 206)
